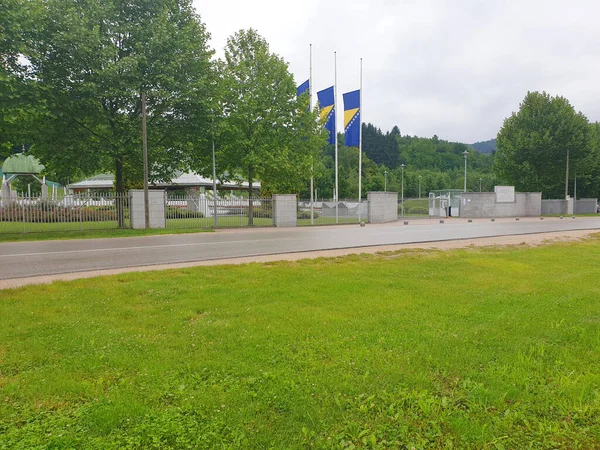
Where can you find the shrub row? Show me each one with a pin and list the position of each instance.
(56, 214)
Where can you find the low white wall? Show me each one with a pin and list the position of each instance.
(586, 206)
(550, 207)
(383, 207)
(484, 204)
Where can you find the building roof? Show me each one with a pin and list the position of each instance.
(183, 180)
(22, 164)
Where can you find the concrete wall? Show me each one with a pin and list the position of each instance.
(483, 204)
(550, 207)
(383, 207)
(156, 200)
(586, 206)
(285, 210)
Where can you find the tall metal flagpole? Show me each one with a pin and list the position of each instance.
(360, 105)
(337, 192)
(312, 166)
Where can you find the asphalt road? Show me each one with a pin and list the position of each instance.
(30, 259)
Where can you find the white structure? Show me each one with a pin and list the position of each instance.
(182, 180)
(137, 211)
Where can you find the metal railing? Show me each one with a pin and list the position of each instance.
(330, 212)
(26, 214)
(201, 211)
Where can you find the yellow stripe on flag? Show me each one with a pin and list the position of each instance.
(325, 111)
(349, 115)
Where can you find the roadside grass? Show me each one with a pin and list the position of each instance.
(95, 234)
(475, 348)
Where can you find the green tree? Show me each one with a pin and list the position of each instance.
(17, 94)
(535, 143)
(269, 134)
(93, 60)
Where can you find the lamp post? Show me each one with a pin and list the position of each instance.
(480, 180)
(567, 186)
(465, 154)
(385, 181)
(402, 166)
(420, 176)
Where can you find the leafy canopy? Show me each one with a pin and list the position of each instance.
(533, 145)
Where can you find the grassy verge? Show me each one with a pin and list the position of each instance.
(94, 234)
(463, 349)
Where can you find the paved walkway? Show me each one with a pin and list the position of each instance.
(44, 258)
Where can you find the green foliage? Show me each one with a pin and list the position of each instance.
(417, 211)
(48, 212)
(268, 134)
(533, 144)
(93, 60)
(485, 146)
(254, 356)
(439, 163)
(173, 212)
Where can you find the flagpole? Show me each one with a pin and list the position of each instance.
(337, 192)
(312, 166)
(360, 104)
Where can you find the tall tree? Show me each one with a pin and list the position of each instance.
(93, 60)
(535, 143)
(17, 95)
(269, 135)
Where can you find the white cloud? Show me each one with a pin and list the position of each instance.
(455, 68)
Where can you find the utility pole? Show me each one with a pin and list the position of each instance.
(145, 157)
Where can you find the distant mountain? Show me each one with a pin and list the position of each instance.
(485, 146)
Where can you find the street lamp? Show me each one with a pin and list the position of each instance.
(480, 180)
(420, 176)
(402, 166)
(465, 154)
(385, 181)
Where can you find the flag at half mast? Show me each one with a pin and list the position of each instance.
(352, 118)
(303, 88)
(327, 111)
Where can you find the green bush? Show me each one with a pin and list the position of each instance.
(182, 213)
(46, 212)
(265, 210)
(306, 214)
(418, 211)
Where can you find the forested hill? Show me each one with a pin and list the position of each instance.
(485, 146)
(391, 149)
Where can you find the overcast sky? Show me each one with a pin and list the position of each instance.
(455, 68)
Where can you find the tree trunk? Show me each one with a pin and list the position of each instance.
(250, 202)
(119, 194)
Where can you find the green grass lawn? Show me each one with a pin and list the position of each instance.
(94, 234)
(422, 203)
(489, 348)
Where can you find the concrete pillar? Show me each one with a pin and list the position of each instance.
(44, 192)
(5, 194)
(285, 210)
(383, 207)
(137, 211)
(570, 206)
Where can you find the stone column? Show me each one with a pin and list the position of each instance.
(285, 210)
